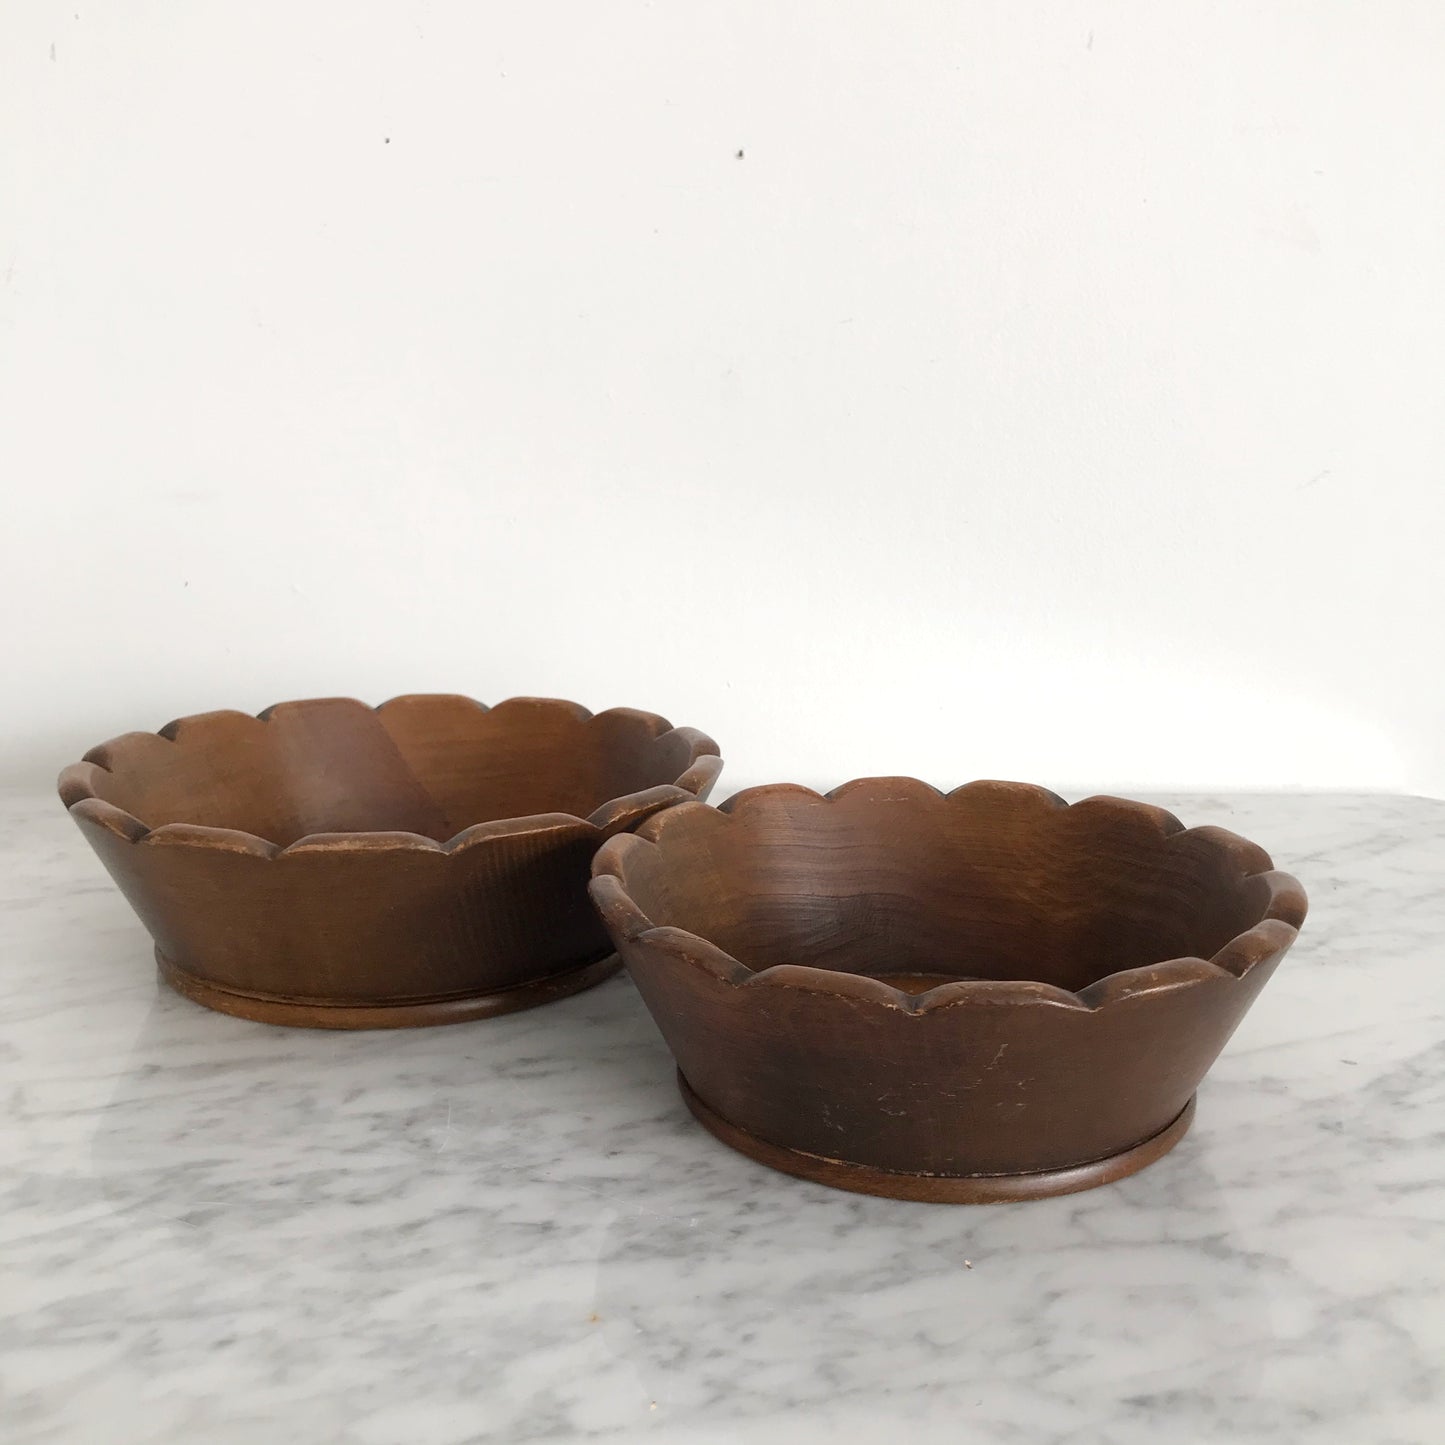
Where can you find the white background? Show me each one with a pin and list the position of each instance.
(1047, 391)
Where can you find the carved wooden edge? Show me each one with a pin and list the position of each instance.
(1284, 906)
(77, 786)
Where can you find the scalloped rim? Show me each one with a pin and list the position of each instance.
(76, 785)
(1284, 911)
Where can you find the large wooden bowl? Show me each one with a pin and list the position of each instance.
(341, 866)
(982, 996)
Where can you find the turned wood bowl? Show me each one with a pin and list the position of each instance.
(340, 866)
(972, 997)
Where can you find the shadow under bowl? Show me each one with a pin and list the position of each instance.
(334, 865)
(972, 997)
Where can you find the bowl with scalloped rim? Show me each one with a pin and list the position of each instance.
(336, 865)
(976, 996)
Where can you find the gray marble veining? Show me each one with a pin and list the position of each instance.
(213, 1231)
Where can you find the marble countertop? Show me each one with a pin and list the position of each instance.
(212, 1231)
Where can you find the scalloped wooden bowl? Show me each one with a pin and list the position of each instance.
(340, 866)
(983, 996)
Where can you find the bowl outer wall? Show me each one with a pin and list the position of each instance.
(971, 1087)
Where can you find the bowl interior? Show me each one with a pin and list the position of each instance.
(428, 765)
(923, 891)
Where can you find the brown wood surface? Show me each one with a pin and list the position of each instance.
(922, 1188)
(267, 1009)
(987, 983)
(332, 864)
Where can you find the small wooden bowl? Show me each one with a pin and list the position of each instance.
(983, 996)
(339, 866)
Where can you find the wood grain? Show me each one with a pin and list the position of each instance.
(983, 984)
(331, 864)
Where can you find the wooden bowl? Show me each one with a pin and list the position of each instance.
(982, 996)
(340, 866)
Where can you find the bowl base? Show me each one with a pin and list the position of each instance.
(415, 1013)
(940, 1188)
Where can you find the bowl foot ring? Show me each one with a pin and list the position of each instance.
(414, 1013)
(941, 1188)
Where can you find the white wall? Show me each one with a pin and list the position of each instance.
(1050, 391)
